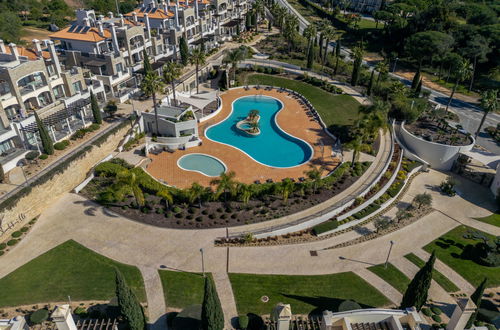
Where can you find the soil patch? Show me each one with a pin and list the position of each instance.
(437, 132)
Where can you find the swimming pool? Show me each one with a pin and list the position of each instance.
(201, 163)
(272, 147)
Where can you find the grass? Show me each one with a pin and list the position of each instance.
(335, 110)
(306, 294)
(182, 289)
(69, 269)
(493, 219)
(440, 279)
(391, 275)
(449, 248)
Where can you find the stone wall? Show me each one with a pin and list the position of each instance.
(44, 195)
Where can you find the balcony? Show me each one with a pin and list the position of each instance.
(31, 87)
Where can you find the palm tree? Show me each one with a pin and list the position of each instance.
(310, 34)
(225, 183)
(127, 182)
(489, 103)
(166, 195)
(171, 71)
(329, 34)
(321, 26)
(233, 57)
(195, 192)
(462, 72)
(290, 30)
(314, 175)
(254, 126)
(356, 148)
(383, 69)
(197, 58)
(152, 84)
(258, 8)
(286, 187)
(245, 191)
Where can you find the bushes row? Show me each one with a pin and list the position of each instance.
(395, 188)
(61, 145)
(325, 226)
(366, 211)
(79, 134)
(322, 84)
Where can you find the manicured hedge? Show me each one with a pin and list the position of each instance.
(39, 316)
(366, 211)
(61, 145)
(325, 226)
(395, 188)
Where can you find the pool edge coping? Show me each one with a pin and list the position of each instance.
(202, 154)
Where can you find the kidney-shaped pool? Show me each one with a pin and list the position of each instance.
(272, 146)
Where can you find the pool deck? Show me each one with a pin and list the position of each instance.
(292, 119)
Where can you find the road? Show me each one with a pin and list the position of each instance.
(469, 114)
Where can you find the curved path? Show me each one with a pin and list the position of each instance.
(148, 247)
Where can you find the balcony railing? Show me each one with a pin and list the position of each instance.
(31, 87)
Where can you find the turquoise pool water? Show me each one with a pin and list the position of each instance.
(201, 163)
(272, 147)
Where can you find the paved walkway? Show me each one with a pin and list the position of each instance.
(226, 297)
(156, 300)
(385, 288)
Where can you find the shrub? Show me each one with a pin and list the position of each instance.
(426, 311)
(348, 305)
(78, 134)
(32, 155)
(43, 156)
(325, 226)
(395, 188)
(16, 234)
(176, 209)
(81, 312)
(108, 169)
(93, 127)
(12, 242)
(436, 318)
(436, 310)
(366, 211)
(243, 321)
(39, 316)
(2, 246)
(61, 145)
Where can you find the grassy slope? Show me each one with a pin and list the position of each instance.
(449, 248)
(304, 293)
(391, 275)
(440, 279)
(182, 289)
(69, 269)
(334, 109)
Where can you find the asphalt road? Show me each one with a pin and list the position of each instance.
(469, 114)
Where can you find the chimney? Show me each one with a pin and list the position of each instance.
(110, 14)
(100, 28)
(176, 14)
(3, 50)
(122, 21)
(13, 51)
(115, 38)
(38, 47)
(148, 27)
(53, 56)
(134, 17)
(86, 21)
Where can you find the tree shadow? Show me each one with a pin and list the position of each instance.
(321, 303)
(188, 319)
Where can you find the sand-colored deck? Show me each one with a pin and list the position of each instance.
(292, 119)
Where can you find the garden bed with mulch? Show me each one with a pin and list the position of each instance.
(438, 131)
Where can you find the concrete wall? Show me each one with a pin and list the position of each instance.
(43, 196)
(439, 156)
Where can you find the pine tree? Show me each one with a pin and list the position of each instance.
(212, 317)
(418, 89)
(476, 299)
(310, 56)
(370, 84)
(47, 144)
(96, 112)
(416, 293)
(416, 79)
(128, 303)
(146, 63)
(184, 50)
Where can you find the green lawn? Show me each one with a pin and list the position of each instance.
(182, 289)
(391, 275)
(493, 219)
(335, 110)
(449, 248)
(69, 269)
(304, 293)
(440, 279)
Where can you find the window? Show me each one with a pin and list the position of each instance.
(58, 92)
(51, 70)
(119, 68)
(77, 86)
(6, 146)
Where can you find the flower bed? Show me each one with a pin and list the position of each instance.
(15, 237)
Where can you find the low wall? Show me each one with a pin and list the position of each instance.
(44, 195)
(439, 156)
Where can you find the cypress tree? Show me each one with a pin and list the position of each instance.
(370, 84)
(128, 303)
(147, 65)
(248, 22)
(337, 48)
(310, 56)
(212, 317)
(184, 50)
(416, 79)
(355, 70)
(47, 144)
(476, 299)
(416, 293)
(96, 112)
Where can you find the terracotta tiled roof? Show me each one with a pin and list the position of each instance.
(158, 13)
(92, 35)
(29, 53)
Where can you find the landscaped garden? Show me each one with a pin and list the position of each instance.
(182, 289)
(307, 294)
(391, 275)
(434, 128)
(69, 269)
(471, 253)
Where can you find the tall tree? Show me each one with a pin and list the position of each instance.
(195, 192)
(286, 187)
(370, 84)
(96, 112)
(423, 45)
(418, 89)
(224, 184)
(233, 57)
(356, 67)
(212, 317)
(127, 183)
(476, 298)
(489, 103)
(128, 303)
(171, 72)
(147, 64)
(310, 56)
(416, 293)
(184, 51)
(151, 85)
(337, 56)
(47, 143)
(416, 79)
(314, 176)
(460, 73)
(197, 58)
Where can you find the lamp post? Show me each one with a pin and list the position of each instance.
(388, 254)
(395, 62)
(202, 262)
